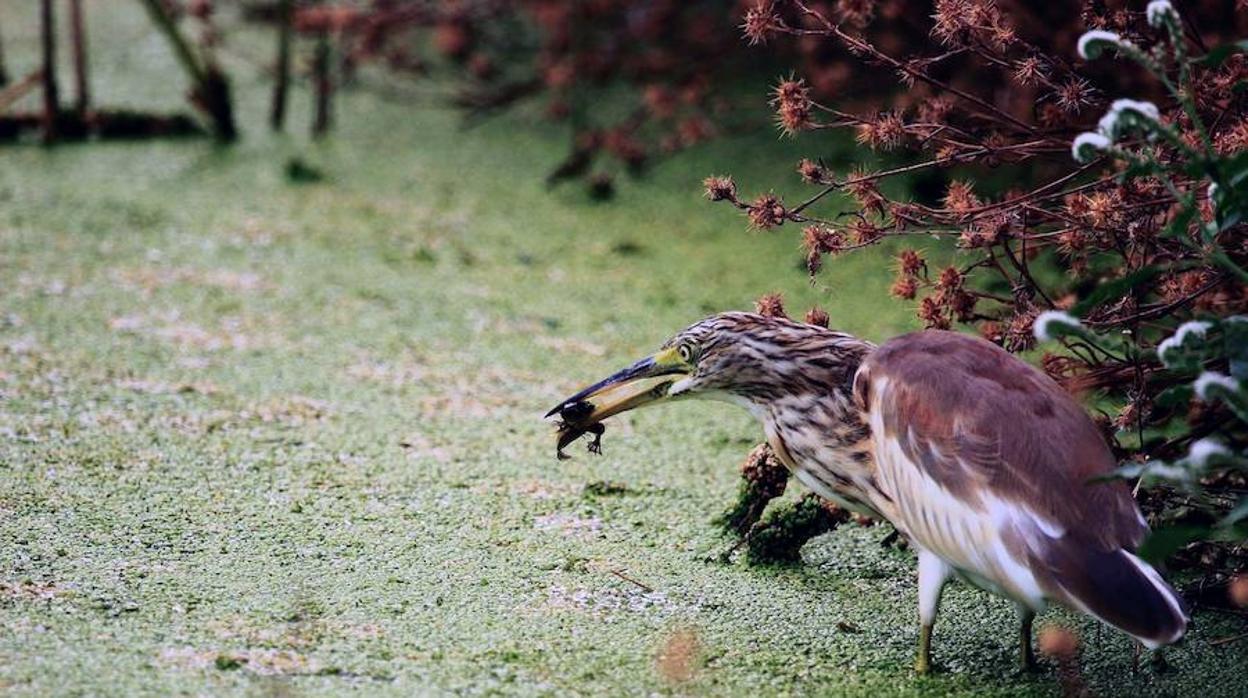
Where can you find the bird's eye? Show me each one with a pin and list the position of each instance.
(686, 352)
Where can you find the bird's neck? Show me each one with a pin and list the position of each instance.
(820, 434)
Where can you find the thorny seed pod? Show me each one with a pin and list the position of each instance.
(817, 316)
(720, 188)
(770, 305)
(960, 197)
(811, 171)
(761, 22)
(905, 287)
(793, 106)
(766, 212)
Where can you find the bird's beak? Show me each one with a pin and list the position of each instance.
(643, 383)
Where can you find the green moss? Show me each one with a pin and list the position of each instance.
(779, 536)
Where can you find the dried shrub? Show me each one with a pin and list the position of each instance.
(1132, 224)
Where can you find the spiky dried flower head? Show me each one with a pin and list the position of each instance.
(932, 315)
(960, 197)
(910, 263)
(761, 22)
(1073, 95)
(1030, 71)
(905, 287)
(950, 280)
(1058, 643)
(885, 132)
(811, 172)
(1073, 241)
(991, 331)
(959, 22)
(766, 212)
(864, 232)
(986, 231)
(818, 240)
(1020, 335)
(720, 188)
(770, 305)
(1104, 208)
(962, 304)
(864, 191)
(1232, 139)
(793, 106)
(818, 316)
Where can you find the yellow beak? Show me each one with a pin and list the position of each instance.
(643, 383)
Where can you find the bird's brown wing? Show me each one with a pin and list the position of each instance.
(990, 465)
(981, 423)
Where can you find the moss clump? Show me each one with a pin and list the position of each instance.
(763, 478)
(779, 537)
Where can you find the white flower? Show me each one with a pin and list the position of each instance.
(1087, 145)
(1093, 42)
(1166, 471)
(1157, 12)
(1125, 114)
(1196, 328)
(1051, 320)
(1199, 453)
(1212, 380)
(1213, 194)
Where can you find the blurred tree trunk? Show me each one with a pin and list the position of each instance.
(51, 100)
(323, 86)
(4, 70)
(281, 86)
(78, 36)
(210, 91)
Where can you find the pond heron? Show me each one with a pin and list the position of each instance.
(985, 464)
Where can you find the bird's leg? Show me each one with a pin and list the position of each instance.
(923, 663)
(933, 573)
(1026, 655)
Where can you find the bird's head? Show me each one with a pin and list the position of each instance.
(744, 358)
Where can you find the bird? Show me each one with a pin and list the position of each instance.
(992, 472)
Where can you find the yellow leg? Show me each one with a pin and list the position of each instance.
(933, 573)
(923, 663)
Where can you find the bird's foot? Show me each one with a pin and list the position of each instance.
(923, 662)
(923, 665)
(595, 446)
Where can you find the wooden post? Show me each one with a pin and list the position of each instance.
(51, 100)
(210, 90)
(281, 85)
(78, 39)
(323, 86)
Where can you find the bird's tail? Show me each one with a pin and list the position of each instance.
(1120, 589)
